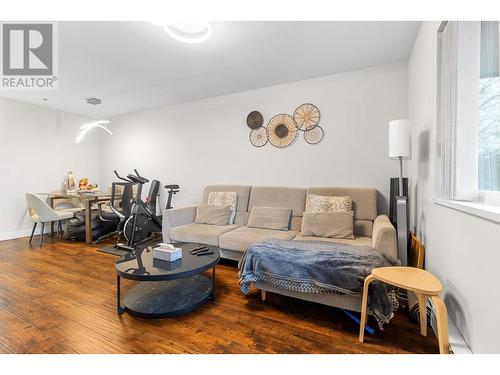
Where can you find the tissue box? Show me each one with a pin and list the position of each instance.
(168, 253)
(165, 246)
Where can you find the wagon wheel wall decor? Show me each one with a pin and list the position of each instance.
(255, 120)
(258, 137)
(315, 135)
(282, 130)
(306, 116)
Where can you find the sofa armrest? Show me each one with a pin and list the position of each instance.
(384, 236)
(175, 217)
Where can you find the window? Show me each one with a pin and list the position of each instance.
(489, 110)
(468, 124)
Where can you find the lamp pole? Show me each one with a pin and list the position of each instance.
(401, 193)
(399, 149)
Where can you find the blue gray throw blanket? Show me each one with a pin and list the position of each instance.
(319, 267)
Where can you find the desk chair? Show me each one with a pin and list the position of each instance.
(69, 205)
(41, 212)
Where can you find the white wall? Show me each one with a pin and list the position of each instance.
(37, 149)
(207, 142)
(463, 251)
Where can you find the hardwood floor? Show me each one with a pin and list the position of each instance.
(61, 299)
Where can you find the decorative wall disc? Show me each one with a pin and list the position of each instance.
(255, 120)
(258, 137)
(306, 116)
(282, 130)
(315, 135)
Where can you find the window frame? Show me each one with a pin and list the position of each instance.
(488, 204)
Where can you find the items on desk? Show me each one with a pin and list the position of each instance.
(83, 183)
(85, 187)
(70, 183)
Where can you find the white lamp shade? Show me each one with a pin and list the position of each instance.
(399, 139)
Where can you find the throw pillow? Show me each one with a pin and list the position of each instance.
(323, 203)
(224, 198)
(213, 215)
(338, 224)
(277, 218)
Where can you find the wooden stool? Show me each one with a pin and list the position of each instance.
(424, 284)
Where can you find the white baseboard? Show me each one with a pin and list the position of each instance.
(21, 233)
(457, 342)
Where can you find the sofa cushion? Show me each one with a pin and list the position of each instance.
(224, 198)
(264, 196)
(200, 233)
(364, 200)
(241, 238)
(276, 218)
(337, 224)
(243, 192)
(325, 203)
(363, 228)
(213, 215)
(358, 241)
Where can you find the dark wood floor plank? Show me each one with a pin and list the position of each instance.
(61, 298)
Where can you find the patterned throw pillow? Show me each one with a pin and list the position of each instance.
(224, 198)
(323, 203)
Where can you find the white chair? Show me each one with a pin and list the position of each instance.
(69, 205)
(41, 212)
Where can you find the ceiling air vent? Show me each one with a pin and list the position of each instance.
(93, 101)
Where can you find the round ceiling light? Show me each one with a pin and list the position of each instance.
(189, 32)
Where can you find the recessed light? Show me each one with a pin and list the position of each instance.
(188, 32)
(45, 99)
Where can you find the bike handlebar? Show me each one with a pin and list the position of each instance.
(140, 177)
(137, 178)
(120, 177)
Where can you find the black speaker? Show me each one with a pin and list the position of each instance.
(394, 192)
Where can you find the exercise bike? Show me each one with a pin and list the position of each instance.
(144, 224)
(136, 219)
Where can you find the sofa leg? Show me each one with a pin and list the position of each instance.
(263, 295)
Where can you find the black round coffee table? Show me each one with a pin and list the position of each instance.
(166, 288)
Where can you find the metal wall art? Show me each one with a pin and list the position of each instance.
(258, 137)
(255, 120)
(306, 116)
(314, 136)
(282, 130)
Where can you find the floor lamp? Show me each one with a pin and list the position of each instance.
(400, 149)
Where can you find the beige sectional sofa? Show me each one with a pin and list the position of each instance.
(370, 229)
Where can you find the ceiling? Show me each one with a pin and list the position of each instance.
(133, 66)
